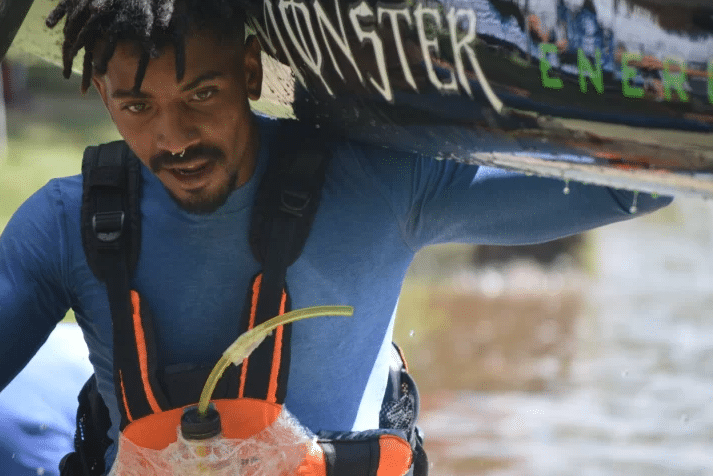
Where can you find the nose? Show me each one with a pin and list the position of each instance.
(175, 130)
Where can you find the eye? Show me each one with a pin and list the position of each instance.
(204, 94)
(135, 108)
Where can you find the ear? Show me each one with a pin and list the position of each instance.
(253, 68)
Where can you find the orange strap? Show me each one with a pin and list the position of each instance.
(141, 348)
(123, 397)
(395, 456)
(277, 355)
(275, 369)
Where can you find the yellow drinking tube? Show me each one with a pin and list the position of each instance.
(250, 340)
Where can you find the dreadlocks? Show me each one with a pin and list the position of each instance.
(98, 25)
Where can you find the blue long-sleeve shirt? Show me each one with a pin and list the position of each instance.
(378, 208)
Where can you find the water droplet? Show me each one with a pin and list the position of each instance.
(633, 209)
(43, 427)
(40, 471)
(13, 456)
(565, 190)
(411, 333)
(624, 373)
(684, 418)
(316, 126)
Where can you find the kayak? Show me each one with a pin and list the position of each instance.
(616, 93)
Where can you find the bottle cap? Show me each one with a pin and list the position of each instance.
(195, 426)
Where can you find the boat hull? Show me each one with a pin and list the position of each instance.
(614, 92)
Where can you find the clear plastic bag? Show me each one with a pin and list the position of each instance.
(276, 450)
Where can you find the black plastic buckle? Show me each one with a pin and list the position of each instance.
(294, 202)
(107, 226)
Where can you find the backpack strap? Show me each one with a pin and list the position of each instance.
(111, 235)
(111, 221)
(285, 206)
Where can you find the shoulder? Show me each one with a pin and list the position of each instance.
(289, 130)
(51, 203)
(402, 169)
(379, 164)
(36, 245)
(365, 164)
(65, 191)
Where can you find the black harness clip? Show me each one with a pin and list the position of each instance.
(294, 202)
(107, 226)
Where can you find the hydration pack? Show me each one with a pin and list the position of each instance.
(151, 399)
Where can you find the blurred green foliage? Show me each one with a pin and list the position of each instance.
(47, 134)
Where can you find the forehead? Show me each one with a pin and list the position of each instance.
(203, 51)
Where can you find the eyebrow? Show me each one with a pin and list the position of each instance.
(130, 93)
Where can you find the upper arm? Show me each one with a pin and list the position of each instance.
(33, 295)
(455, 202)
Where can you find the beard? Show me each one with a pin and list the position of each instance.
(204, 201)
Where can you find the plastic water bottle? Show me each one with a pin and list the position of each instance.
(202, 446)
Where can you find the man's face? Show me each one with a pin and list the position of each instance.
(205, 117)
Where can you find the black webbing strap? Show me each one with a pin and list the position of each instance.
(111, 228)
(111, 235)
(360, 454)
(111, 225)
(351, 454)
(285, 207)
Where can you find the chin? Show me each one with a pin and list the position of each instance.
(204, 202)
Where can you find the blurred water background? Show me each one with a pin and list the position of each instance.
(600, 368)
(598, 363)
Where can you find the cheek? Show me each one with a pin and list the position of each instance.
(224, 126)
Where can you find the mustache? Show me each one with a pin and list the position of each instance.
(167, 159)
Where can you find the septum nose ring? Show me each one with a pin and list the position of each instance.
(182, 153)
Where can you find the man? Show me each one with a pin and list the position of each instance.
(176, 80)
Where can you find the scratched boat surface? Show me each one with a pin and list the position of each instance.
(613, 92)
